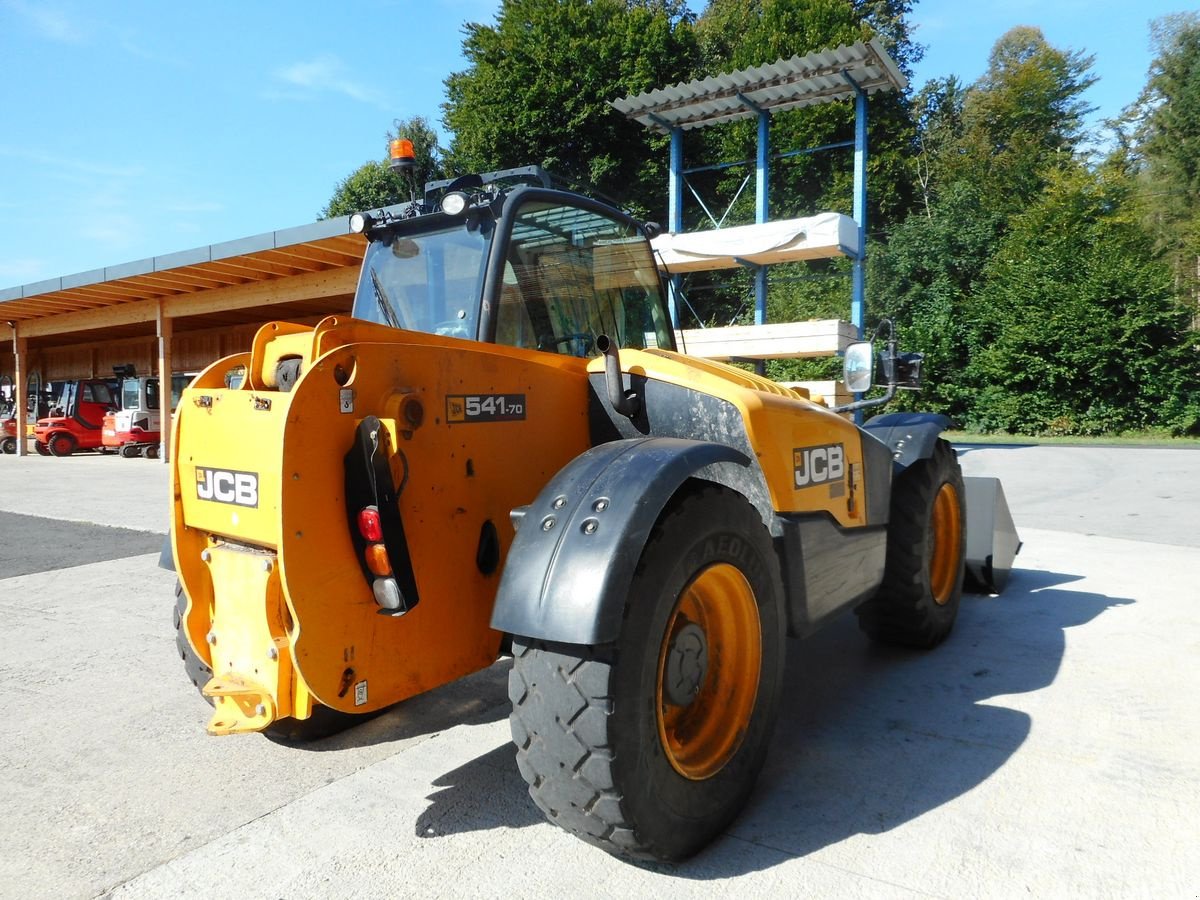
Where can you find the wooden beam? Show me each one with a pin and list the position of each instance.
(311, 286)
(790, 340)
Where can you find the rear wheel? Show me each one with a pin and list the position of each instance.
(8, 445)
(42, 449)
(61, 444)
(324, 722)
(129, 451)
(918, 601)
(650, 746)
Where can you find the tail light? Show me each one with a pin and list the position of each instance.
(377, 530)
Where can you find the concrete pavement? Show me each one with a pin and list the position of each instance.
(1047, 749)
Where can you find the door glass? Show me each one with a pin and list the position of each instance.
(573, 274)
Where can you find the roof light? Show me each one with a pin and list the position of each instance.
(402, 154)
(454, 203)
(360, 222)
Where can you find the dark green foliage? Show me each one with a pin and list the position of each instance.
(1166, 120)
(1025, 277)
(1048, 293)
(1076, 329)
(737, 34)
(933, 262)
(539, 83)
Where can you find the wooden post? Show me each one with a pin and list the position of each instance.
(19, 387)
(165, 324)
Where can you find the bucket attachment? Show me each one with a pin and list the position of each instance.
(992, 541)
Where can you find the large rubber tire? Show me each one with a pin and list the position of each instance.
(323, 723)
(607, 739)
(42, 449)
(61, 444)
(8, 445)
(927, 540)
(129, 451)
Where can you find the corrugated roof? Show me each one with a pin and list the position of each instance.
(316, 247)
(785, 84)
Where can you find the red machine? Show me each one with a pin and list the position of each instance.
(76, 421)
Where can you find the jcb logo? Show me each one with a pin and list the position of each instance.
(818, 465)
(223, 486)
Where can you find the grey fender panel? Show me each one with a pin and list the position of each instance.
(574, 555)
(910, 436)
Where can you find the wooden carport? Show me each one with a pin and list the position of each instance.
(177, 312)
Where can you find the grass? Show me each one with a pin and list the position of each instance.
(1146, 439)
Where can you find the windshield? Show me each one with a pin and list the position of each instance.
(425, 282)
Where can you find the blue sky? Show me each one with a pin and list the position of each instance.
(133, 128)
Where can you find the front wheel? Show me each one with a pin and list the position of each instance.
(650, 746)
(61, 444)
(8, 445)
(926, 553)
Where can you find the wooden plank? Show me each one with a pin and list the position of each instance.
(831, 393)
(789, 340)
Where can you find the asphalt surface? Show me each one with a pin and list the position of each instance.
(1047, 749)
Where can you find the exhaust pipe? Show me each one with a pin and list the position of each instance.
(625, 403)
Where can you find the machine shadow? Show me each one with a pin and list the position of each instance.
(477, 699)
(869, 736)
(963, 449)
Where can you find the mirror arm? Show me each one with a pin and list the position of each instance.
(863, 404)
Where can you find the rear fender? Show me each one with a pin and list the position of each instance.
(577, 545)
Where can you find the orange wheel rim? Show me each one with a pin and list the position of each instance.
(946, 537)
(708, 671)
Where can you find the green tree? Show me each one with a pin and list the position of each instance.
(538, 85)
(739, 34)
(1076, 329)
(1167, 119)
(933, 263)
(983, 155)
(374, 184)
(1022, 120)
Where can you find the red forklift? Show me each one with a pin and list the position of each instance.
(76, 420)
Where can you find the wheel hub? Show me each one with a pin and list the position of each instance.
(687, 664)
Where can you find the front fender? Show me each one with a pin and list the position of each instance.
(910, 436)
(573, 558)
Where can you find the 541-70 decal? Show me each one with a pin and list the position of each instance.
(465, 408)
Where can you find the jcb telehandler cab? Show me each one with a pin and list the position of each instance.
(501, 445)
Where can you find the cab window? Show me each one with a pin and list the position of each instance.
(573, 274)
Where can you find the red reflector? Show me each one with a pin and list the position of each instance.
(377, 560)
(369, 524)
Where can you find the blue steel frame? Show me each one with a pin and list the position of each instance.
(762, 205)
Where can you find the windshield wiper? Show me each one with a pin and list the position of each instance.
(385, 305)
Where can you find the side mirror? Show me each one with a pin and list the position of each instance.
(858, 367)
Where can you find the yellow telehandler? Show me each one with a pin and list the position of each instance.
(500, 450)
